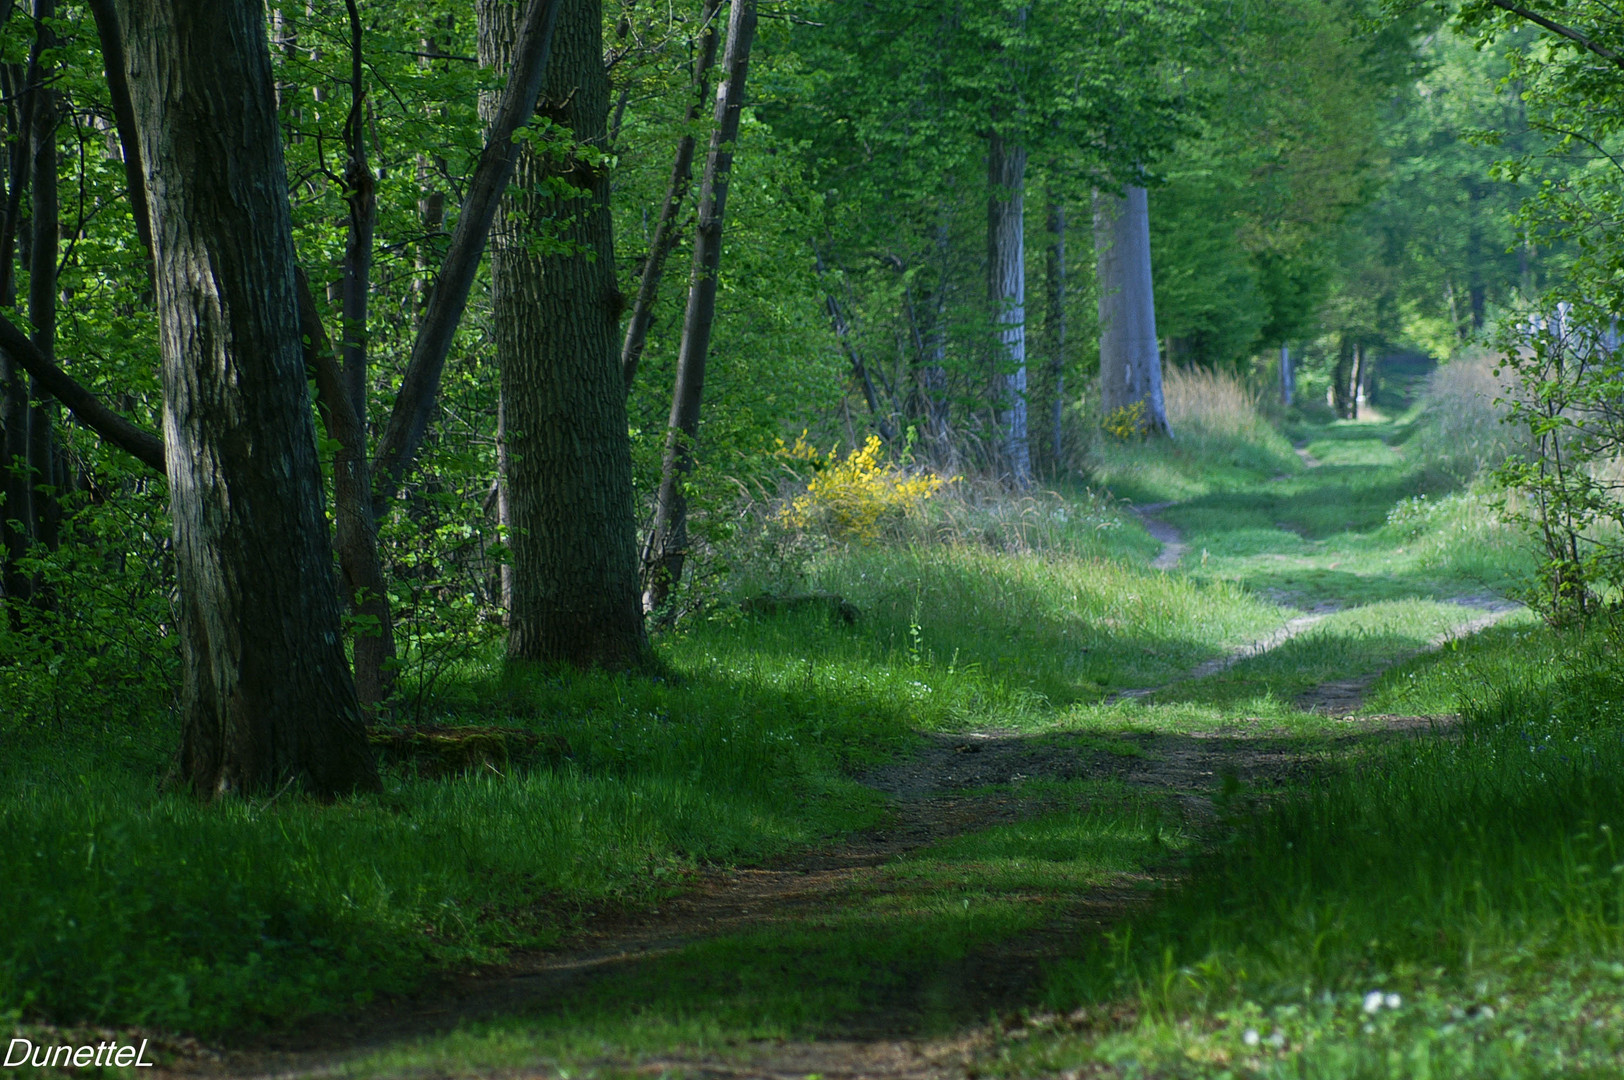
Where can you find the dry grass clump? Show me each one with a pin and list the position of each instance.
(1461, 433)
(1211, 404)
(984, 513)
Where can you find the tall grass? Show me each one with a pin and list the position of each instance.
(1460, 433)
(1205, 404)
(1221, 440)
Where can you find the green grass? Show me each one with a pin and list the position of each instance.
(1478, 877)
(903, 951)
(129, 904)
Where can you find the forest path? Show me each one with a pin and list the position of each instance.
(915, 949)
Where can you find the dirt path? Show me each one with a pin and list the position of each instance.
(951, 785)
(1172, 541)
(938, 792)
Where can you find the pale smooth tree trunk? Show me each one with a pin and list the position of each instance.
(1056, 326)
(572, 529)
(1130, 363)
(1006, 289)
(666, 551)
(267, 698)
(1288, 376)
(1342, 376)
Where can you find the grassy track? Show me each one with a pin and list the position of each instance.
(815, 839)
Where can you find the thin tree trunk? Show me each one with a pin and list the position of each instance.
(1056, 280)
(1340, 377)
(1357, 385)
(118, 87)
(361, 199)
(572, 530)
(355, 531)
(934, 376)
(1288, 376)
(1130, 365)
(16, 414)
(859, 370)
(665, 229)
(421, 384)
(44, 229)
(667, 548)
(1006, 289)
(267, 697)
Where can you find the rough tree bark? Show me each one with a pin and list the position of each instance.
(665, 230)
(266, 697)
(1006, 289)
(565, 445)
(1130, 364)
(667, 548)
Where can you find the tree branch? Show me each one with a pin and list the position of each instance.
(421, 384)
(1616, 58)
(86, 407)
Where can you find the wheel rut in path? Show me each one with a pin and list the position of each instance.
(951, 785)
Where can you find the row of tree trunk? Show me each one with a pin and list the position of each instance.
(268, 696)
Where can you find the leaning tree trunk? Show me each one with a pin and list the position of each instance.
(666, 551)
(266, 697)
(1006, 289)
(665, 229)
(1130, 365)
(565, 444)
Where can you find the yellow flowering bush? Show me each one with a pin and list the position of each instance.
(851, 498)
(1125, 421)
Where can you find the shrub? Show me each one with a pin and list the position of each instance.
(856, 497)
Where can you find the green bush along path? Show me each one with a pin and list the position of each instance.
(1043, 810)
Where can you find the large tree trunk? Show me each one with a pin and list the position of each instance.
(569, 481)
(1006, 289)
(1130, 364)
(667, 549)
(665, 230)
(267, 697)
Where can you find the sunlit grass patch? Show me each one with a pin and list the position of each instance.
(1446, 906)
